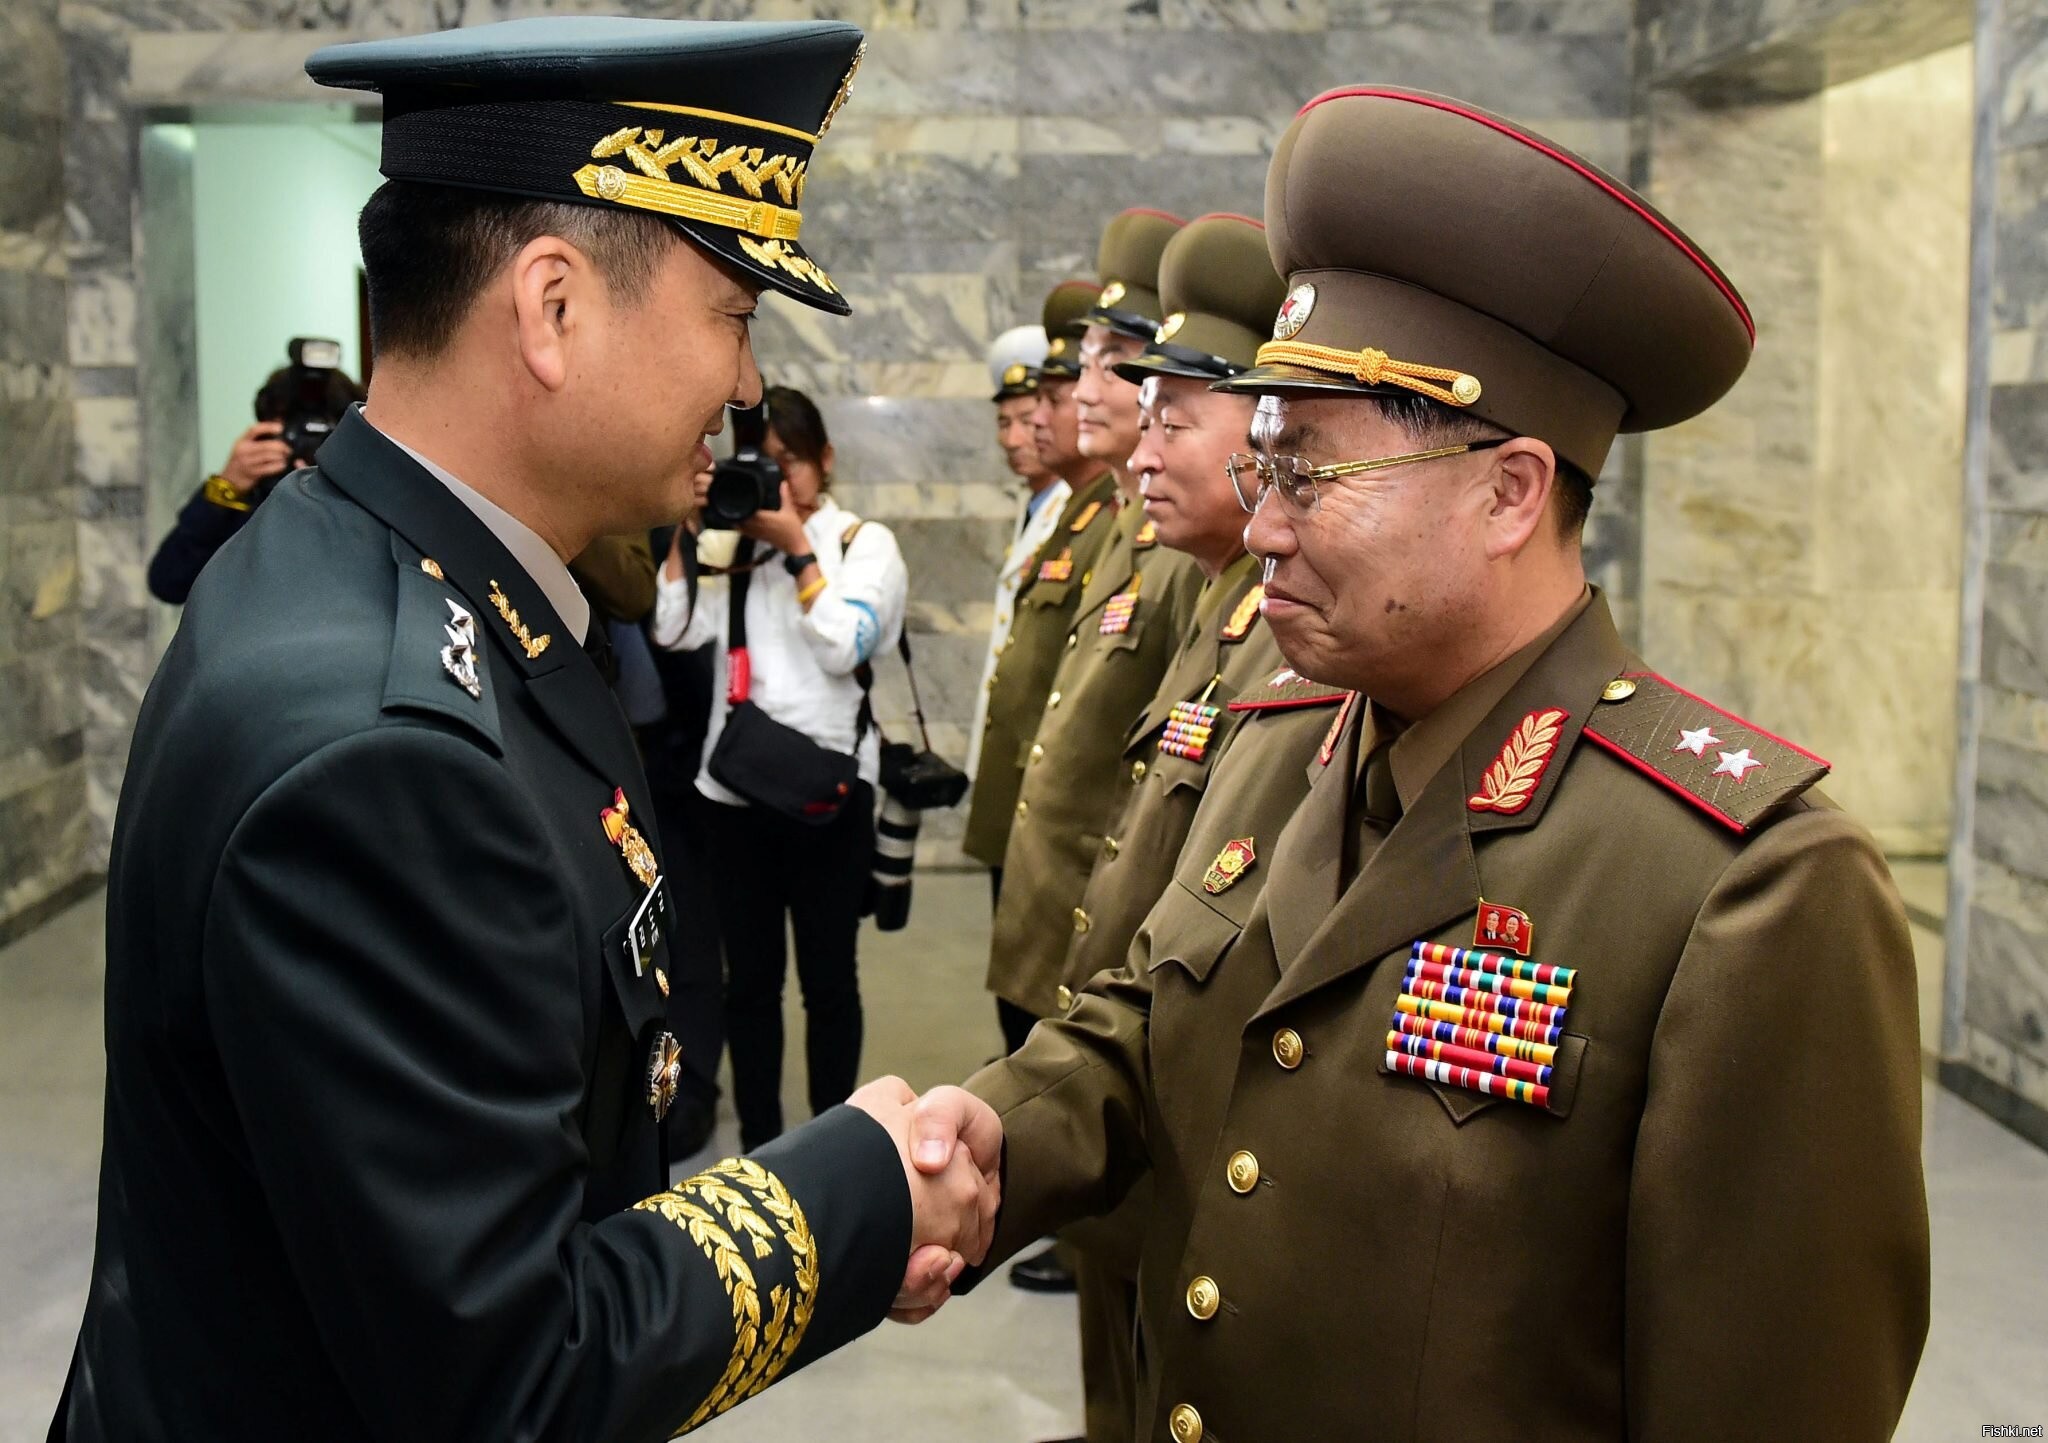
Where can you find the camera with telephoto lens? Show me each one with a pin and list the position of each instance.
(746, 481)
(304, 397)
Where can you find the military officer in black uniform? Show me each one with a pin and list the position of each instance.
(387, 938)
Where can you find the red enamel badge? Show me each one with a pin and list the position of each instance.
(1510, 783)
(1503, 929)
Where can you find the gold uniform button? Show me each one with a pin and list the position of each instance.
(1185, 1424)
(1081, 922)
(1066, 997)
(1137, 771)
(1023, 809)
(1204, 1298)
(1037, 751)
(1086, 578)
(1053, 700)
(1287, 1048)
(1620, 689)
(1110, 848)
(1073, 640)
(1243, 1172)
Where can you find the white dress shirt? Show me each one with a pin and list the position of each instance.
(535, 556)
(1035, 523)
(803, 662)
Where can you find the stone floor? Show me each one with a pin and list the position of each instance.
(1000, 1366)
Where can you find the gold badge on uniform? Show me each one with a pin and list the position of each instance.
(664, 1074)
(619, 828)
(1147, 537)
(1247, 612)
(1510, 783)
(532, 645)
(1088, 514)
(1503, 927)
(1236, 858)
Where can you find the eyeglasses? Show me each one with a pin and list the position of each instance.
(1299, 482)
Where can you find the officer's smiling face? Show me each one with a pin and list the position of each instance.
(1379, 583)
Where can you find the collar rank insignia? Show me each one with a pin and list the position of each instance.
(1088, 514)
(532, 645)
(1328, 751)
(1188, 728)
(1057, 568)
(1147, 537)
(1247, 612)
(458, 657)
(1508, 928)
(1477, 1020)
(1510, 783)
(1236, 858)
(619, 828)
(664, 1074)
(1738, 774)
(1119, 609)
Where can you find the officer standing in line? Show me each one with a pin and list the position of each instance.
(1046, 599)
(386, 925)
(1648, 1166)
(1135, 610)
(1014, 360)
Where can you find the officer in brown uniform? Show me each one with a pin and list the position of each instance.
(1648, 1166)
(1047, 597)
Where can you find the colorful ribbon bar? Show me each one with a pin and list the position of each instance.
(1481, 1020)
(1474, 999)
(1189, 727)
(1117, 612)
(1494, 1042)
(1533, 1093)
(1466, 1057)
(1494, 962)
(1490, 982)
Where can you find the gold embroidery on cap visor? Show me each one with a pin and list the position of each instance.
(1376, 368)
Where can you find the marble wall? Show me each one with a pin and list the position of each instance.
(1996, 1038)
(986, 142)
(43, 727)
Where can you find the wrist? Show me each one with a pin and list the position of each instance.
(796, 563)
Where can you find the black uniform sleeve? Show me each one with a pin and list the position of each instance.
(202, 528)
(394, 984)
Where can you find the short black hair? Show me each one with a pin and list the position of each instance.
(796, 422)
(429, 251)
(1428, 423)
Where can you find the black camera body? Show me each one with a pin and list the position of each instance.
(302, 397)
(745, 482)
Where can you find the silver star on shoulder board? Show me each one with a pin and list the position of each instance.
(459, 655)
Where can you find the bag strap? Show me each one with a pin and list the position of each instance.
(865, 672)
(739, 682)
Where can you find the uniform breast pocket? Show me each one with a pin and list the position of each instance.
(1559, 1079)
(1187, 933)
(1047, 594)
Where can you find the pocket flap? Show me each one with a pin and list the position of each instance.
(638, 985)
(1463, 1104)
(1186, 930)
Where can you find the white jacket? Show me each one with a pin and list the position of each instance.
(803, 661)
(1016, 562)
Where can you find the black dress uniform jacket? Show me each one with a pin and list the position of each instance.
(378, 1104)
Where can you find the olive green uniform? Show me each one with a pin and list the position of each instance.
(1133, 613)
(1045, 608)
(1715, 1228)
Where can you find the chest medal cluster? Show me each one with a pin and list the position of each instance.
(1119, 609)
(1057, 568)
(1481, 1021)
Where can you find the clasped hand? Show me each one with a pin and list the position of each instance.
(951, 1145)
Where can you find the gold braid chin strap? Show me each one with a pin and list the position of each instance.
(1375, 368)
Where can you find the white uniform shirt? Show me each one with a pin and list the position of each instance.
(1034, 528)
(803, 661)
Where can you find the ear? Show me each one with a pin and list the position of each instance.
(555, 291)
(1523, 474)
(825, 459)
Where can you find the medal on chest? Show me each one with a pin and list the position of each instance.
(619, 829)
(1119, 609)
(1190, 725)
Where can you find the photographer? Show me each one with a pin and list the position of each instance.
(297, 407)
(823, 593)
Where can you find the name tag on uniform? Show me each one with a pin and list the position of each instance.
(644, 935)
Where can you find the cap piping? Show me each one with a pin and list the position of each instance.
(1571, 162)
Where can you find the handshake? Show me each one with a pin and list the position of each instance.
(951, 1144)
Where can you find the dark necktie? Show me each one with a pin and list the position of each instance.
(1375, 808)
(598, 647)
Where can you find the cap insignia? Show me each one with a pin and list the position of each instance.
(700, 194)
(1170, 327)
(1294, 312)
(1017, 374)
(775, 253)
(1111, 294)
(845, 90)
(1058, 346)
(1376, 368)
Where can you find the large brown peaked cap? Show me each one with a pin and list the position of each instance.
(1434, 248)
(1128, 258)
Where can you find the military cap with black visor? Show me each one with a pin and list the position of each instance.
(1128, 262)
(1218, 277)
(1066, 321)
(712, 126)
(1015, 359)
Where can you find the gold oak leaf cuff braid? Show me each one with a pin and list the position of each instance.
(762, 1348)
(1376, 368)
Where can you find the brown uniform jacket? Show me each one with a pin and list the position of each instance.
(617, 574)
(1132, 617)
(1227, 654)
(1716, 1230)
(1024, 666)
